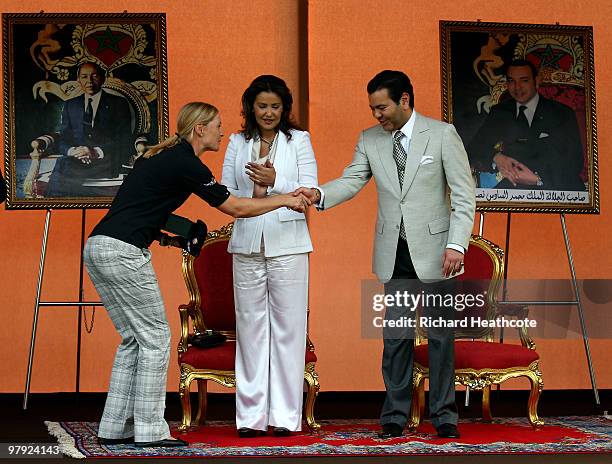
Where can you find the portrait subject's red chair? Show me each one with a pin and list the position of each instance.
(211, 306)
(480, 361)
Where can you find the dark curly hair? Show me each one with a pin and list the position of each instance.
(273, 84)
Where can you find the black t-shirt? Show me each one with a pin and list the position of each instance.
(153, 190)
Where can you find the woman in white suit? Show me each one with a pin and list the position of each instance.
(269, 156)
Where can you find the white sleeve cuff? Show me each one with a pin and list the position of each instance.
(321, 202)
(458, 248)
(279, 185)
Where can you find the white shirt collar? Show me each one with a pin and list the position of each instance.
(531, 104)
(407, 128)
(95, 100)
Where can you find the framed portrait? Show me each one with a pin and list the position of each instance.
(522, 98)
(84, 94)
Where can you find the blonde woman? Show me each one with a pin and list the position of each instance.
(269, 157)
(118, 261)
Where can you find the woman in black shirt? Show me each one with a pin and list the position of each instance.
(119, 264)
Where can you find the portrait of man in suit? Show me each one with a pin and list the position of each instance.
(426, 205)
(529, 141)
(95, 138)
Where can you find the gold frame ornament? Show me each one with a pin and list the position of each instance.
(42, 54)
(561, 146)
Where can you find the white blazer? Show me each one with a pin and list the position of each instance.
(284, 231)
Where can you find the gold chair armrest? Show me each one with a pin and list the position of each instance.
(184, 311)
(309, 345)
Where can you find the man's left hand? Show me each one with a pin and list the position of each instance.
(263, 174)
(453, 262)
(526, 176)
(85, 154)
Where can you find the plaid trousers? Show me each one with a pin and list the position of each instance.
(125, 280)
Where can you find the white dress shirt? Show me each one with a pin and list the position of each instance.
(531, 108)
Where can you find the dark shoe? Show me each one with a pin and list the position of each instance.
(245, 432)
(281, 432)
(166, 443)
(116, 441)
(391, 430)
(448, 431)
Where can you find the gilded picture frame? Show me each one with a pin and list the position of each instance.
(83, 95)
(522, 98)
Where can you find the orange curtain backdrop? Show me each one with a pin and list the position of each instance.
(349, 42)
(214, 50)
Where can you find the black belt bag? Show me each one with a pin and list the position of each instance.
(208, 339)
(188, 235)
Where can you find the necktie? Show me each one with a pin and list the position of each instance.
(400, 156)
(521, 117)
(88, 116)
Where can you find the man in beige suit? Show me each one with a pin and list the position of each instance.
(420, 234)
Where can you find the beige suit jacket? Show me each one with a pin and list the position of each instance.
(437, 200)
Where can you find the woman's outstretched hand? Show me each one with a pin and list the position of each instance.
(298, 202)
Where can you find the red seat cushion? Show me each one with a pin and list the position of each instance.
(483, 355)
(220, 358)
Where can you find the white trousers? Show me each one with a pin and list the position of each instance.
(271, 298)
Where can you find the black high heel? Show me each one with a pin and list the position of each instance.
(245, 432)
(281, 432)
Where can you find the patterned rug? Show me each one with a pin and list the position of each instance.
(359, 438)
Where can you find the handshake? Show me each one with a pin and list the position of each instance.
(300, 199)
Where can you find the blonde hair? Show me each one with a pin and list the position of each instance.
(191, 114)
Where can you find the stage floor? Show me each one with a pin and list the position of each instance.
(28, 426)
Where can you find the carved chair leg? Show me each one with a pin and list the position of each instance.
(202, 402)
(312, 381)
(418, 400)
(29, 184)
(535, 377)
(185, 402)
(421, 400)
(486, 403)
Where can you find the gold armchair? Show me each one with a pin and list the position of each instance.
(479, 361)
(211, 306)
